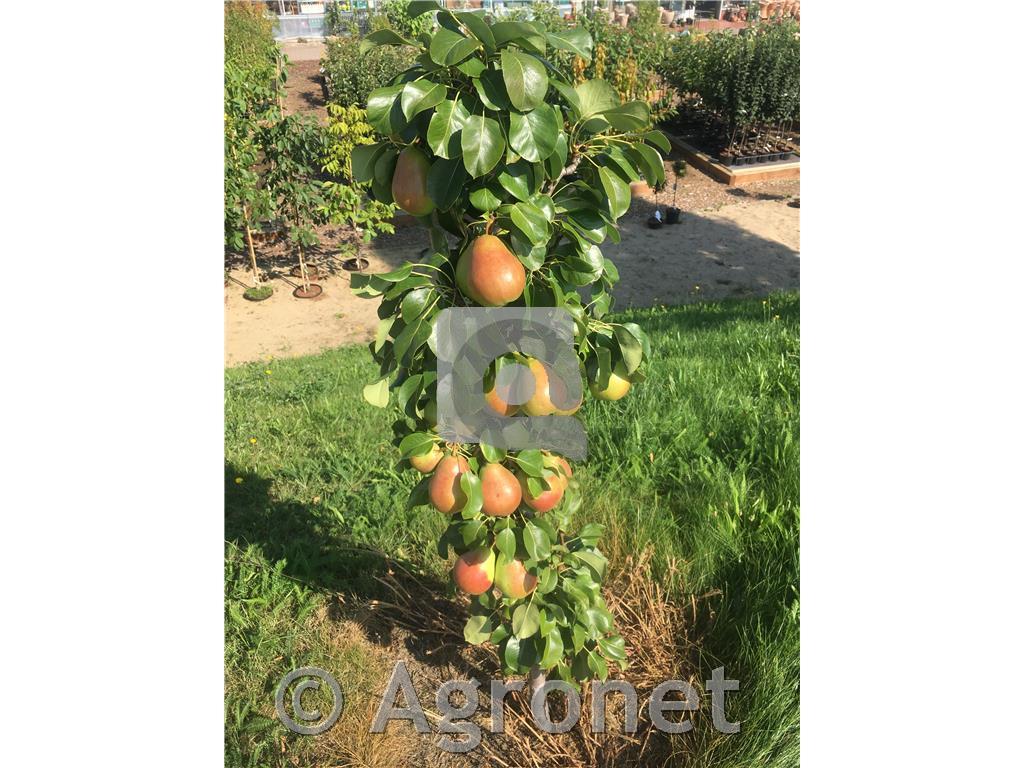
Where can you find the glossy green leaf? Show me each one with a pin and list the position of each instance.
(471, 486)
(531, 461)
(595, 97)
(445, 182)
(517, 179)
(616, 190)
(384, 110)
(490, 87)
(525, 78)
(505, 541)
(448, 47)
(482, 144)
(419, 7)
(536, 542)
(525, 621)
(444, 134)
(382, 37)
(417, 444)
(478, 629)
(421, 95)
(363, 158)
(484, 199)
(475, 23)
(632, 352)
(534, 134)
(531, 222)
(576, 40)
(377, 393)
(554, 649)
(658, 139)
(649, 162)
(631, 116)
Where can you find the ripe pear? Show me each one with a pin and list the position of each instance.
(618, 386)
(409, 184)
(474, 571)
(500, 489)
(545, 500)
(489, 273)
(445, 492)
(513, 580)
(426, 462)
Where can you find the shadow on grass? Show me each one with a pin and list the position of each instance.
(352, 575)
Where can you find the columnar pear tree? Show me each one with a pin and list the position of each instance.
(519, 177)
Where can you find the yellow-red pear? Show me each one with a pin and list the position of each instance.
(489, 273)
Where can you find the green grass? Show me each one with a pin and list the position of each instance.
(701, 462)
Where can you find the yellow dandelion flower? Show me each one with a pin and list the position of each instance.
(268, 371)
(252, 440)
(238, 481)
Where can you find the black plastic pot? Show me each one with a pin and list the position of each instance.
(672, 216)
(653, 222)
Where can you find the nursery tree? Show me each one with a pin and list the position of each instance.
(518, 177)
(295, 148)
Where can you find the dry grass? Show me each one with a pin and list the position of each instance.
(659, 647)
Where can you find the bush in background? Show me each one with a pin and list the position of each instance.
(746, 80)
(351, 76)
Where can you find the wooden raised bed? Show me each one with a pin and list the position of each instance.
(735, 176)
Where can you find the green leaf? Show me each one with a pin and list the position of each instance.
(554, 650)
(414, 302)
(536, 541)
(383, 110)
(472, 67)
(525, 621)
(517, 179)
(531, 222)
(629, 345)
(478, 27)
(363, 158)
(416, 444)
(590, 533)
(482, 144)
(595, 97)
(445, 182)
(571, 96)
(649, 162)
(531, 461)
(525, 78)
(444, 134)
(510, 653)
(491, 454)
(484, 199)
(419, 7)
(471, 486)
(616, 190)
(638, 333)
(382, 37)
(613, 647)
(473, 532)
(519, 31)
(594, 561)
(576, 40)
(478, 629)
(556, 161)
(448, 47)
(505, 541)
(597, 666)
(377, 393)
(658, 139)
(631, 116)
(421, 95)
(491, 90)
(534, 134)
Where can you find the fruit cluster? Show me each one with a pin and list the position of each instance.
(518, 176)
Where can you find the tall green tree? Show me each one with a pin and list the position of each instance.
(495, 143)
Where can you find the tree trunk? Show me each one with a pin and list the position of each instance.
(537, 679)
(302, 270)
(252, 251)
